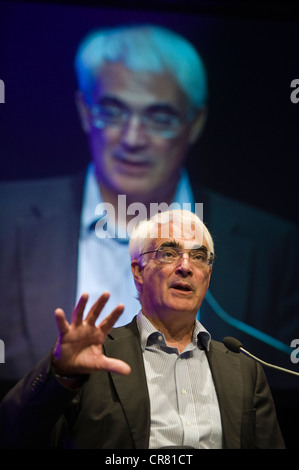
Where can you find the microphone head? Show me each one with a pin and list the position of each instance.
(232, 344)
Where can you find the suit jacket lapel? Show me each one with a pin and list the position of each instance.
(124, 344)
(228, 383)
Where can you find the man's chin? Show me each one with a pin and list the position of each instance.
(182, 303)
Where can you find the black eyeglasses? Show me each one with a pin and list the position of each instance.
(160, 119)
(200, 257)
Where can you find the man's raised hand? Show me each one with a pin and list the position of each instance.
(79, 345)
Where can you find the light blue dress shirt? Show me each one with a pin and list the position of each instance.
(104, 264)
(183, 401)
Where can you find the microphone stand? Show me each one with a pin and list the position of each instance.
(272, 366)
(236, 346)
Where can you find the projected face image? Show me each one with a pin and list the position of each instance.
(138, 131)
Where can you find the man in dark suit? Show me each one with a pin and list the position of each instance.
(162, 382)
(142, 103)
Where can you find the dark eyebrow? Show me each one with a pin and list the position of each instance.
(171, 244)
(175, 244)
(155, 107)
(200, 248)
(162, 107)
(111, 100)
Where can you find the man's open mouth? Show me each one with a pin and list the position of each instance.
(131, 166)
(182, 287)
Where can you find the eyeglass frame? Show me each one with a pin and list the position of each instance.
(127, 113)
(209, 262)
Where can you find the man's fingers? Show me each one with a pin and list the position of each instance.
(117, 366)
(77, 314)
(111, 319)
(96, 309)
(61, 322)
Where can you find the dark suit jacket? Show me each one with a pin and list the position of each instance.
(113, 411)
(254, 277)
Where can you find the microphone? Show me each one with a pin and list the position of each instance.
(236, 346)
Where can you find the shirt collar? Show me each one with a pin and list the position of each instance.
(201, 337)
(92, 197)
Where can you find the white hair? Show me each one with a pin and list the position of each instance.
(142, 48)
(182, 220)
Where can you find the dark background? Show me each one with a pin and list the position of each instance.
(249, 149)
(250, 144)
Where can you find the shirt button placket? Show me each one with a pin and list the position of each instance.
(183, 393)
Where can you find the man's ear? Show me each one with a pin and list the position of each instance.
(137, 272)
(198, 125)
(82, 111)
(210, 274)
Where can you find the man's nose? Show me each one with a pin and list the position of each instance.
(134, 134)
(184, 265)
